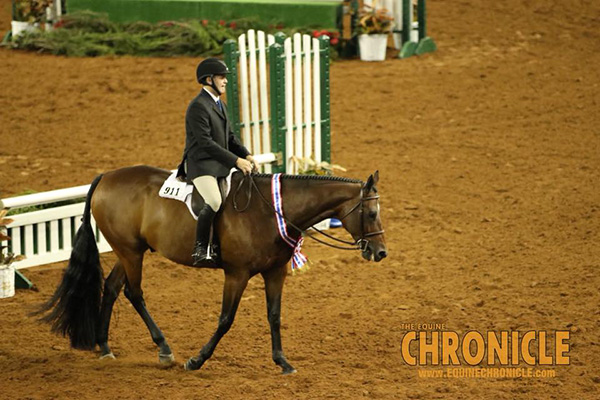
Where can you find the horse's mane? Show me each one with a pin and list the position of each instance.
(311, 177)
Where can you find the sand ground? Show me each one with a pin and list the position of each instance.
(488, 155)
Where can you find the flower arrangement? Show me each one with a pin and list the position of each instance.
(309, 166)
(373, 20)
(6, 259)
(333, 36)
(31, 11)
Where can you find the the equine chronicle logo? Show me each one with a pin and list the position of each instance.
(474, 348)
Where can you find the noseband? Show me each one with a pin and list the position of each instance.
(360, 244)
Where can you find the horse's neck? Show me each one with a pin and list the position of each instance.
(307, 202)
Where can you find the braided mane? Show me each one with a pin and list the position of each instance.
(311, 177)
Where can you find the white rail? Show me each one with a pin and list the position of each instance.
(46, 236)
(45, 197)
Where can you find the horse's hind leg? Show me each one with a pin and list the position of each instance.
(133, 292)
(274, 279)
(112, 287)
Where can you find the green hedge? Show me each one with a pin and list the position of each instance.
(85, 34)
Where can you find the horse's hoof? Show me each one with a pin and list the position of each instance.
(190, 365)
(108, 356)
(193, 364)
(288, 371)
(166, 359)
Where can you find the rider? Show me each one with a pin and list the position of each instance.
(211, 150)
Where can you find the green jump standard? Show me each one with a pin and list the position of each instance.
(291, 13)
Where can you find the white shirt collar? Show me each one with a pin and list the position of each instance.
(215, 98)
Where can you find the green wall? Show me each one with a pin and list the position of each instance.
(291, 13)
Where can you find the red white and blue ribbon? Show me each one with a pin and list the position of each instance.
(298, 259)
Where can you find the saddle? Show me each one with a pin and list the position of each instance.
(197, 203)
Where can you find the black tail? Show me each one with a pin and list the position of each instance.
(75, 306)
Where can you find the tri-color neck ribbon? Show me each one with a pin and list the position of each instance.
(298, 259)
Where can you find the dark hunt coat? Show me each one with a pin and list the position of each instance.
(211, 147)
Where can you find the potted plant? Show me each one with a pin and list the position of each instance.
(309, 166)
(374, 24)
(7, 270)
(28, 15)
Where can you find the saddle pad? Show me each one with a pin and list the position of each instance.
(175, 189)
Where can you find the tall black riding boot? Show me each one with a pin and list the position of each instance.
(200, 256)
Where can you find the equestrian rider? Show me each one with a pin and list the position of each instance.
(211, 150)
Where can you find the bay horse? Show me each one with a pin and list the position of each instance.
(133, 219)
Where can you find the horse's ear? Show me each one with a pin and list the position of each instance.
(369, 185)
(372, 181)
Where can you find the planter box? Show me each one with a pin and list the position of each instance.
(7, 282)
(372, 47)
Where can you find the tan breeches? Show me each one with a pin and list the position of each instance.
(208, 187)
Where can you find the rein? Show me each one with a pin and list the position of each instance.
(359, 244)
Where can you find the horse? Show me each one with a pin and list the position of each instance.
(134, 219)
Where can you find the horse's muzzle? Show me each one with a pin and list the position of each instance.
(380, 255)
(370, 253)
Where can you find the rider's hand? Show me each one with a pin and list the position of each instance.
(244, 165)
(253, 162)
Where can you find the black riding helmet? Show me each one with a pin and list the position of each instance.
(209, 68)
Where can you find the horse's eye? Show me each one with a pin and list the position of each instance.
(373, 215)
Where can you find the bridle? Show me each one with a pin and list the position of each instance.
(359, 244)
(362, 243)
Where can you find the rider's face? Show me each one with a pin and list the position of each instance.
(220, 82)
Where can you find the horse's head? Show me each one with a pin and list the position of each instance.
(362, 219)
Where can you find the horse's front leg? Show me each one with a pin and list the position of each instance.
(274, 279)
(235, 284)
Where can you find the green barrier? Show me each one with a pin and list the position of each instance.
(425, 44)
(291, 13)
